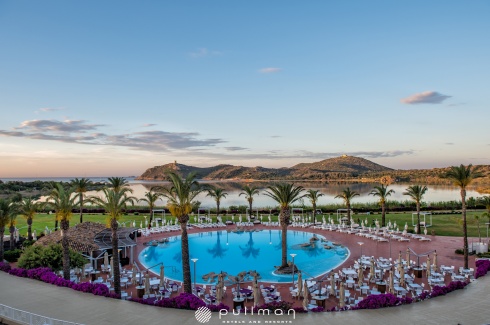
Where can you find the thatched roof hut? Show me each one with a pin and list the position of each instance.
(81, 237)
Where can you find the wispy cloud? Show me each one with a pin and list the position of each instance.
(235, 148)
(270, 70)
(204, 52)
(49, 109)
(75, 131)
(147, 125)
(275, 136)
(426, 97)
(449, 143)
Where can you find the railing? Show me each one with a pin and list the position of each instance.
(24, 317)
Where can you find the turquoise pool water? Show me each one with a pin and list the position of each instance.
(233, 253)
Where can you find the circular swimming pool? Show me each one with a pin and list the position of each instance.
(234, 252)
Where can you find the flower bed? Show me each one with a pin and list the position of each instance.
(182, 301)
(482, 267)
(381, 301)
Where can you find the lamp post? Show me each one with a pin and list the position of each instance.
(194, 260)
(360, 244)
(293, 255)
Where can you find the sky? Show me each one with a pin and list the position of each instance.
(111, 88)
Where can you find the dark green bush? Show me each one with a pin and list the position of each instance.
(12, 256)
(49, 256)
(459, 251)
(27, 243)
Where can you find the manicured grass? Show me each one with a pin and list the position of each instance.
(442, 225)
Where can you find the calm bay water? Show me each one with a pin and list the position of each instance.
(435, 193)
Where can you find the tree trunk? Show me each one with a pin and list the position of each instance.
(418, 217)
(465, 229)
(151, 214)
(383, 214)
(29, 228)
(186, 267)
(2, 232)
(284, 218)
(217, 209)
(81, 208)
(250, 210)
(348, 212)
(55, 224)
(115, 257)
(66, 251)
(314, 213)
(12, 237)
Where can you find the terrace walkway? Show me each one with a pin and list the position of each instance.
(466, 307)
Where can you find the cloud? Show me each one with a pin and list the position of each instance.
(276, 136)
(235, 148)
(426, 97)
(203, 52)
(147, 125)
(70, 126)
(49, 109)
(76, 132)
(269, 70)
(449, 143)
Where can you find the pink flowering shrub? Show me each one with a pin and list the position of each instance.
(482, 267)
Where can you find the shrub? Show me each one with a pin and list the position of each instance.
(49, 256)
(459, 251)
(382, 300)
(12, 255)
(5, 267)
(482, 267)
(27, 243)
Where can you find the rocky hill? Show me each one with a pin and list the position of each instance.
(343, 167)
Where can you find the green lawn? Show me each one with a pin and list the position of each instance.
(443, 225)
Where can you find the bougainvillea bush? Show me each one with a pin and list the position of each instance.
(482, 267)
(381, 301)
(182, 301)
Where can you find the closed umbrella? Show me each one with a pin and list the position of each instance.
(256, 294)
(402, 276)
(106, 260)
(391, 287)
(135, 271)
(300, 284)
(305, 296)
(435, 261)
(34, 235)
(112, 267)
(147, 284)
(359, 275)
(425, 231)
(408, 257)
(372, 270)
(428, 266)
(342, 295)
(162, 273)
(400, 258)
(332, 284)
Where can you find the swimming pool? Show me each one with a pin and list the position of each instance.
(234, 252)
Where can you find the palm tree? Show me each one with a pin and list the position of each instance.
(63, 202)
(151, 198)
(285, 194)
(180, 197)
(117, 183)
(382, 192)
(416, 193)
(81, 186)
(114, 202)
(485, 200)
(347, 195)
(462, 177)
(217, 194)
(8, 210)
(28, 208)
(249, 193)
(11, 224)
(313, 195)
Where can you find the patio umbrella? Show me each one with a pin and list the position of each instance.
(406, 226)
(391, 283)
(402, 276)
(359, 275)
(372, 270)
(162, 273)
(305, 296)
(34, 235)
(112, 267)
(106, 260)
(342, 295)
(300, 283)
(332, 284)
(256, 294)
(135, 271)
(435, 261)
(147, 284)
(408, 257)
(400, 258)
(425, 231)
(394, 225)
(428, 266)
(141, 224)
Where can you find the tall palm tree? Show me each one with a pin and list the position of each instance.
(28, 209)
(117, 183)
(11, 223)
(249, 193)
(347, 195)
(81, 186)
(180, 199)
(416, 193)
(462, 177)
(285, 194)
(114, 202)
(151, 199)
(63, 201)
(313, 196)
(217, 194)
(382, 192)
(8, 210)
(485, 200)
